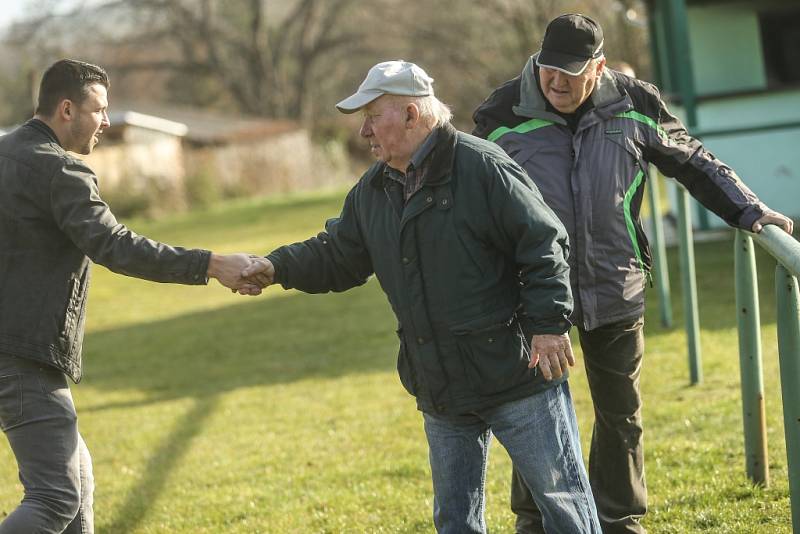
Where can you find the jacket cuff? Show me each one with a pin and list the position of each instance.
(199, 267)
(280, 272)
(551, 325)
(750, 215)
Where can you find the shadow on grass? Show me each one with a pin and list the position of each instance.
(268, 341)
(260, 341)
(256, 342)
(161, 463)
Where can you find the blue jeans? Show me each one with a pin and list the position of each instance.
(38, 417)
(540, 434)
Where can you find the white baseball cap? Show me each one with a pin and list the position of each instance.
(388, 78)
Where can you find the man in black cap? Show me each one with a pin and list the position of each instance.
(586, 134)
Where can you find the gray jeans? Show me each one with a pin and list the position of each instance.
(38, 417)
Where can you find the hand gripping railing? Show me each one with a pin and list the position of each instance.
(786, 251)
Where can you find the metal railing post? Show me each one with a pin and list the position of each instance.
(659, 251)
(788, 312)
(750, 367)
(689, 287)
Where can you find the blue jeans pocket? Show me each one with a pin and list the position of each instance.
(10, 400)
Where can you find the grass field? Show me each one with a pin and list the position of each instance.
(213, 413)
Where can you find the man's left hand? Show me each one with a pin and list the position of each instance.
(553, 353)
(773, 217)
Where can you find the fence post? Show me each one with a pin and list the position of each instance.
(752, 376)
(660, 251)
(788, 312)
(689, 287)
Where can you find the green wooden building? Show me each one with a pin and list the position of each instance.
(731, 70)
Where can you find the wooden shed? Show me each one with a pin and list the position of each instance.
(731, 70)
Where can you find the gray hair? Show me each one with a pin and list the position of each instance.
(433, 111)
(595, 61)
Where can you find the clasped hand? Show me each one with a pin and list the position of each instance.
(243, 273)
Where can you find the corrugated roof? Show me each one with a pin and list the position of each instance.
(209, 127)
(150, 122)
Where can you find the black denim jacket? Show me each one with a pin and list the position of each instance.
(53, 223)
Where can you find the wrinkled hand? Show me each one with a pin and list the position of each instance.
(227, 269)
(773, 217)
(553, 353)
(260, 272)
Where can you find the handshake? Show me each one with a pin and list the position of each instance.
(245, 274)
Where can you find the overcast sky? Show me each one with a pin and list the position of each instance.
(12, 10)
(15, 9)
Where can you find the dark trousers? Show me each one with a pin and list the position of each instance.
(613, 361)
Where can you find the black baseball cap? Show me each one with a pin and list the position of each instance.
(570, 41)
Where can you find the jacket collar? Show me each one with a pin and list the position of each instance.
(43, 128)
(532, 103)
(441, 165)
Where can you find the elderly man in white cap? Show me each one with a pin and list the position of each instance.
(474, 266)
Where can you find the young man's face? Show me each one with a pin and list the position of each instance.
(566, 92)
(384, 126)
(90, 118)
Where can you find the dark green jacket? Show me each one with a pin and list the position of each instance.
(472, 265)
(51, 219)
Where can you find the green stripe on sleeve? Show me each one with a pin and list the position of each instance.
(525, 127)
(637, 181)
(644, 119)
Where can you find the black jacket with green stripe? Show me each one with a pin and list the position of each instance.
(594, 180)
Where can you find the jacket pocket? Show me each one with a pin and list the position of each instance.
(645, 254)
(627, 144)
(10, 400)
(74, 309)
(71, 313)
(631, 205)
(495, 357)
(405, 368)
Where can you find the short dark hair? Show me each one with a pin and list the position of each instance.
(67, 79)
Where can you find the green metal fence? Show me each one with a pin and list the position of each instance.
(786, 251)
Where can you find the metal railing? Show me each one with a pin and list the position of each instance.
(688, 277)
(786, 252)
(659, 247)
(689, 282)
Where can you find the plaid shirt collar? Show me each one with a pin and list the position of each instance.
(414, 176)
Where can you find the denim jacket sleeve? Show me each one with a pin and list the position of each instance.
(87, 220)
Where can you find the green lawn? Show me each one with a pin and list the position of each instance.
(213, 413)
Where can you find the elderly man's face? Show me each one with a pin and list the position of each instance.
(566, 92)
(384, 127)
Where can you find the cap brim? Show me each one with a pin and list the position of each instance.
(567, 63)
(354, 102)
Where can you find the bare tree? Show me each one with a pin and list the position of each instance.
(296, 58)
(261, 55)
